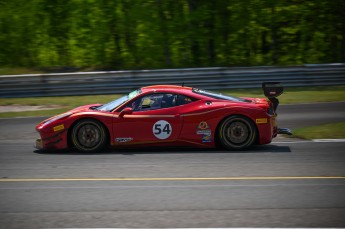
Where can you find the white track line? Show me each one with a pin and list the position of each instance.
(311, 141)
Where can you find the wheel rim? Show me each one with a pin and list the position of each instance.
(237, 132)
(89, 135)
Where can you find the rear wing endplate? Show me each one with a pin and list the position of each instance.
(272, 90)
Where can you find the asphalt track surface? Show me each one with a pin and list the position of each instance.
(288, 183)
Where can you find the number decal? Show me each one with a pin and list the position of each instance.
(162, 129)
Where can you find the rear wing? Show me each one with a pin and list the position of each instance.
(273, 90)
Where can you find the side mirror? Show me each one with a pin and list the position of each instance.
(126, 111)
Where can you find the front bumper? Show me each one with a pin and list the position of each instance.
(55, 141)
(39, 144)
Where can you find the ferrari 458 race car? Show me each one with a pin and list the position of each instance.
(166, 115)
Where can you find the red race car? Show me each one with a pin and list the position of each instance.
(166, 115)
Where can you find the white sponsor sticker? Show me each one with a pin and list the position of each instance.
(162, 129)
(207, 132)
(122, 140)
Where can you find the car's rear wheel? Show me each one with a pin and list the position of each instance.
(89, 135)
(237, 133)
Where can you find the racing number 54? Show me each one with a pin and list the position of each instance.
(162, 129)
(158, 128)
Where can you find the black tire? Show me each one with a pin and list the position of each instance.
(237, 133)
(88, 136)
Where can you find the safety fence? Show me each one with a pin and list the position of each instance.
(114, 82)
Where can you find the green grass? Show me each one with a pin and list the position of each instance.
(67, 102)
(70, 101)
(33, 113)
(290, 96)
(326, 131)
(295, 95)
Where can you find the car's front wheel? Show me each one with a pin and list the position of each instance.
(237, 133)
(89, 135)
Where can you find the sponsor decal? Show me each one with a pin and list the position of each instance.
(203, 132)
(58, 128)
(162, 129)
(207, 138)
(203, 125)
(261, 120)
(203, 128)
(123, 140)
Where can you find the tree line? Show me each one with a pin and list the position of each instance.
(144, 34)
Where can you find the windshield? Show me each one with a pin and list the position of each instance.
(117, 102)
(216, 95)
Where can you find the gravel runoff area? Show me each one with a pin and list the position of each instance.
(19, 108)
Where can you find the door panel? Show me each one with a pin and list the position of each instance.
(148, 126)
(151, 121)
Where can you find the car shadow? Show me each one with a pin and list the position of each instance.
(271, 148)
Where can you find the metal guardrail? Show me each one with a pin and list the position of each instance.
(114, 82)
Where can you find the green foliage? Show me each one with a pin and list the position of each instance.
(127, 34)
(326, 131)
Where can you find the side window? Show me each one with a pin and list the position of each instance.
(182, 100)
(153, 102)
(168, 100)
(159, 101)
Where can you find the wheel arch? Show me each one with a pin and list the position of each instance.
(69, 132)
(216, 138)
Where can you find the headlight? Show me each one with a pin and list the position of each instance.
(55, 118)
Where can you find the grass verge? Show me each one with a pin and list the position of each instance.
(326, 131)
(290, 96)
(68, 102)
(295, 95)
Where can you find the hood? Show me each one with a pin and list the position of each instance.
(64, 115)
(84, 108)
